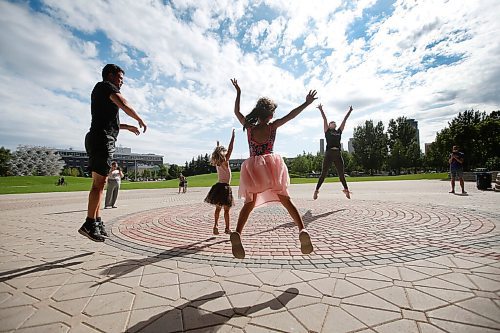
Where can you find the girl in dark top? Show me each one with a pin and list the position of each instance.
(333, 153)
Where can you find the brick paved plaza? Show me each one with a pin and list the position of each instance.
(399, 257)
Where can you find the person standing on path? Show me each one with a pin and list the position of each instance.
(221, 194)
(114, 180)
(456, 161)
(106, 100)
(333, 154)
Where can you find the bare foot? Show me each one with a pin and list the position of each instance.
(347, 193)
(315, 195)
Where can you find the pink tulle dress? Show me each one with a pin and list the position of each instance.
(263, 173)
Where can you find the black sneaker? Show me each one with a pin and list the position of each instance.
(90, 230)
(101, 228)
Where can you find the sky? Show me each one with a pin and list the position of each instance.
(426, 60)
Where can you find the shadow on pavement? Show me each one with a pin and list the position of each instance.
(67, 212)
(189, 316)
(41, 267)
(129, 265)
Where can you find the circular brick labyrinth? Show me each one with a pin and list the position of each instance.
(343, 234)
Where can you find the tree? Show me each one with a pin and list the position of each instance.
(35, 161)
(404, 151)
(174, 170)
(5, 157)
(370, 146)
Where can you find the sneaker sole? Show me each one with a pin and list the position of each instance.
(305, 243)
(237, 247)
(81, 232)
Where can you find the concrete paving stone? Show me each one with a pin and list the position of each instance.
(464, 263)
(235, 288)
(143, 300)
(109, 323)
(485, 284)
(304, 289)
(482, 306)
(159, 280)
(421, 301)
(394, 295)
(72, 307)
(12, 318)
(371, 316)
(18, 299)
(411, 275)
(345, 288)
(196, 318)
(414, 315)
(339, 321)
(282, 321)
(109, 303)
(248, 279)
(325, 286)
(219, 305)
(449, 326)
(429, 328)
(370, 300)
(447, 295)
(486, 294)
(403, 325)
(51, 328)
(439, 283)
(245, 300)
(46, 315)
(110, 288)
(369, 284)
(460, 315)
(195, 289)
(76, 290)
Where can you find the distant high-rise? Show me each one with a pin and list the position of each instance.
(322, 146)
(414, 124)
(427, 147)
(350, 146)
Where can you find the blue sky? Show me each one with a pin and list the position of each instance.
(426, 60)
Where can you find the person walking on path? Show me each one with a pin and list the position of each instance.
(106, 100)
(264, 176)
(221, 194)
(456, 161)
(333, 154)
(114, 180)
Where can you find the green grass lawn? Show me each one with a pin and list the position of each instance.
(37, 184)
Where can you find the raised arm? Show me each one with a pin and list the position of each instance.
(311, 96)
(230, 147)
(237, 112)
(341, 128)
(123, 104)
(325, 122)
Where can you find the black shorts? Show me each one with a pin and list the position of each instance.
(100, 148)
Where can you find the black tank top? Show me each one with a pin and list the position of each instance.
(333, 138)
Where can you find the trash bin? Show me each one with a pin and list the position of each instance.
(483, 180)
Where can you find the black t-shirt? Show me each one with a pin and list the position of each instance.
(104, 112)
(333, 138)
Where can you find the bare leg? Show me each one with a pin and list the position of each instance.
(226, 219)
(244, 214)
(327, 163)
(216, 219)
(235, 237)
(305, 240)
(462, 185)
(452, 185)
(95, 195)
(292, 210)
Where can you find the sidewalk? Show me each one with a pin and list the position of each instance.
(401, 256)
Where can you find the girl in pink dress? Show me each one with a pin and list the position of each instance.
(221, 194)
(264, 176)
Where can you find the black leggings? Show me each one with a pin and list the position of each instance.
(332, 156)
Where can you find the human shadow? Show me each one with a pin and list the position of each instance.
(189, 315)
(5, 276)
(67, 212)
(127, 266)
(307, 218)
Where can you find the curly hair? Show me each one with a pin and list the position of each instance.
(218, 157)
(263, 109)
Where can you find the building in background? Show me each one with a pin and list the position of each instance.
(427, 147)
(414, 124)
(350, 146)
(322, 146)
(126, 160)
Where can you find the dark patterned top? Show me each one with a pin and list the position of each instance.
(257, 148)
